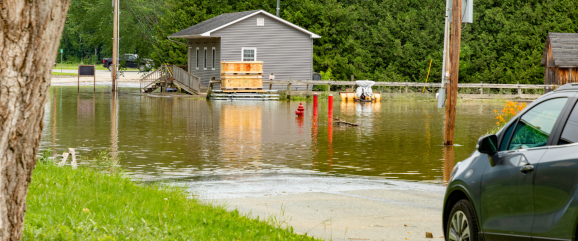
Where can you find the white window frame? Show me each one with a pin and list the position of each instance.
(261, 20)
(243, 52)
(197, 63)
(214, 55)
(189, 57)
(205, 61)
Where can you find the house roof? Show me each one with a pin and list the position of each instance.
(564, 49)
(204, 29)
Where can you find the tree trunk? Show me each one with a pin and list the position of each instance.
(30, 33)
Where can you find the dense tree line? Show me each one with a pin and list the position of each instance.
(382, 40)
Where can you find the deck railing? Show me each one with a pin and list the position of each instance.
(187, 79)
(152, 77)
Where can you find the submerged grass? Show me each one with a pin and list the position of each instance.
(95, 204)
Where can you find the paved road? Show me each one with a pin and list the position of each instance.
(333, 208)
(130, 78)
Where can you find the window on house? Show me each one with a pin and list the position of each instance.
(197, 62)
(214, 57)
(249, 54)
(205, 62)
(260, 22)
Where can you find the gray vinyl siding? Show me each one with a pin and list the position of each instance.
(284, 50)
(201, 43)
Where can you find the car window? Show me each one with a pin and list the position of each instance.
(536, 125)
(506, 138)
(570, 133)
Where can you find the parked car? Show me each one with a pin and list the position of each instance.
(130, 61)
(522, 183)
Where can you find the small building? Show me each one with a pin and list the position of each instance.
(285, 48)
(560, 58)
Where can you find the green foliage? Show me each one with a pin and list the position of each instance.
(86, 204)
(381, 40)
(45, 157)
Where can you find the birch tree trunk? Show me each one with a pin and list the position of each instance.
(30, 32)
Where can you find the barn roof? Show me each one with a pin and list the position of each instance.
(204, 29)
(564, 49)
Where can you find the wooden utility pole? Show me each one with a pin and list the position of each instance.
(115, 45)
(452, 89)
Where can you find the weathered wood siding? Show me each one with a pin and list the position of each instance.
(556, 75)
(284, 50)
(201, 43)
(567, 75)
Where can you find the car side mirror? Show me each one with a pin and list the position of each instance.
(488, 145)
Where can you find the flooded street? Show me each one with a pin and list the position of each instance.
(186, 138)
(381, 180)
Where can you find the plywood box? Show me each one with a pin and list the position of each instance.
(242, 67)
(240, 82)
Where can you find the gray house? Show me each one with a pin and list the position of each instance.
(285, 48)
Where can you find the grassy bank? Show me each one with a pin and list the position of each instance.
(75, 66)
(67, 74)
(95, 204)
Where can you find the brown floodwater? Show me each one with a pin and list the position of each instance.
(167, 138)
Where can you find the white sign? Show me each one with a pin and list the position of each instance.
(271, 77)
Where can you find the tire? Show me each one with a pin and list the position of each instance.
(142, 68)
(462, 218)
(110, 67)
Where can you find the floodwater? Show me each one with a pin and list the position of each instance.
(185, 138)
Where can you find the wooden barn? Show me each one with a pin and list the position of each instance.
(560, 58)
(284, 48)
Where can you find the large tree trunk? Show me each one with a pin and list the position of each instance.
(30, 32)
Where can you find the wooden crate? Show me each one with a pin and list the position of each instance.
(241, 82)
(242, 67)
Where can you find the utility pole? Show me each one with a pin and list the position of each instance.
(278, 8)
(452, 89)
(115, 45)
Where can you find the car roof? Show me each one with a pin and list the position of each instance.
(568, 87)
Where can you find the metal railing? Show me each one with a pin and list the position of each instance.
(182, 77)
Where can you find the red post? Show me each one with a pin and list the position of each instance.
(315, 105)
(330, 131)
(330, 112)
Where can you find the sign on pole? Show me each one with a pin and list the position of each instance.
(87, 71)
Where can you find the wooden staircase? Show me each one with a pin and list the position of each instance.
(167, 76)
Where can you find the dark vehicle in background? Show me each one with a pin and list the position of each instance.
(522, 183)
(130, 61)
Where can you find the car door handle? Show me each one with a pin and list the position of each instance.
(527, 168)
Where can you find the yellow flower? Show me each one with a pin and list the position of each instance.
(86, 210)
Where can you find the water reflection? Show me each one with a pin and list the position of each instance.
(182, 137)
(114, 125)
(448, 163)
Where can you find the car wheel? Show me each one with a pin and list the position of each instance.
(142, 68)
(461, 224)
(110, 67)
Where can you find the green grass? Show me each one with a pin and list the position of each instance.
(92, 203)
(75, 66)
(58, 73)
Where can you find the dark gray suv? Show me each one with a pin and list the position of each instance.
(522, 183)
